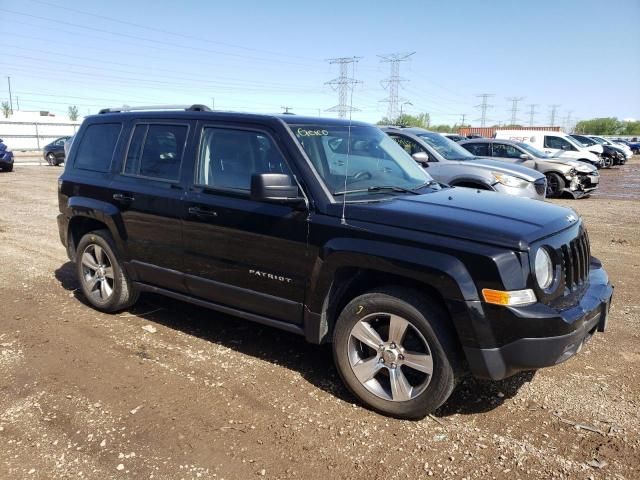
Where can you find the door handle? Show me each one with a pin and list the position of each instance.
(201, 212)
(123, 198)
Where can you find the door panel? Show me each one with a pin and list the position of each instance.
(150, 195)
(239, 252)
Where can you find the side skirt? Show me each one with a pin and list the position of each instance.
(143, 287)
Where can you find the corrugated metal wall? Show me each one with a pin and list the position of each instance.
(489, 131)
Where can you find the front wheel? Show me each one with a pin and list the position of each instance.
(51, 158)
(555, 185)
(394, 350)
(607, 162)
(103, 280)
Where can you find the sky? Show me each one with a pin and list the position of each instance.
(261, 56)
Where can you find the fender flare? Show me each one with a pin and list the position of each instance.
(103, 212)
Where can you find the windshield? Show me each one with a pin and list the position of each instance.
(369, 160)
(533, 151)
(585, 141)
(601, 141)
(449, 149)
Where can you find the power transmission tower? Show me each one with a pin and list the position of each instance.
(343, 84)
(554, 111)
(393, 81)
(514, 108)
(286, 109)
(532, 113)
(484, 106)
(10, 97)
(567, 121)
(463, 115)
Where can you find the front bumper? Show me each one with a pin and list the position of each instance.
(6, 159)
(562, 332)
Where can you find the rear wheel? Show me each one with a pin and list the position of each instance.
(104, 282)
(395, 352)
(51, 158)
(555, 185)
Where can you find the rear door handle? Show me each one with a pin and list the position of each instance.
(201, 212)
(122, 197)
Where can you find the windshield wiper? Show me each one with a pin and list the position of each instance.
(385, 188)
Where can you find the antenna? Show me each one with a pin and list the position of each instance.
(343, 220)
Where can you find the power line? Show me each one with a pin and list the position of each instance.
(484, 106)
(532, 113)
(514, 108)
(554, 111)
(393, 81)
(343, 84)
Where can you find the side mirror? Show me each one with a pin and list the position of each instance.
(422, 158)
(274, 187)
(524, 156)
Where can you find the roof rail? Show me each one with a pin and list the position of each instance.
(126, 108)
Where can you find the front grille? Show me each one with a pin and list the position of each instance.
(541, 186)
(576, 257)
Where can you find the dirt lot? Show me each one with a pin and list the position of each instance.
(89, 395)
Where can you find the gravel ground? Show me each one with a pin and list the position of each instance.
(168, 390)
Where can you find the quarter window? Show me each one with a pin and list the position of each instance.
(97, 146)
(156, 151)
(228, 158)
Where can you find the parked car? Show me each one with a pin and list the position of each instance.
(54, 151)
(556, 144)
(6, 158)
(451, 164)
(563, 174)
(603, 141)
(414, 284)
(611, 155)
(455, 137)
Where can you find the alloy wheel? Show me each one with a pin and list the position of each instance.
(97, 273)
(390, 357)
(51, 159)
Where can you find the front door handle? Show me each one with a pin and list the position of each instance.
(201, 212)
(123, 198)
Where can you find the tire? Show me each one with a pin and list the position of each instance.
(50, 158)
(96, 257)
(427, 336)
(607, 162)
(555, 185)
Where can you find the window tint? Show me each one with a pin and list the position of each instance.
(228, 158)
(156, 151)
(97, 146)
(478, 149)
(505, 151)
(557, 142)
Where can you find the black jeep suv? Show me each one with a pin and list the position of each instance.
(329, 229)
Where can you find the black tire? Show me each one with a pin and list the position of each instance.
(123, 293)
(50, 158)
(555, 185)
(7, 169)
(607, 162)
(427, 321)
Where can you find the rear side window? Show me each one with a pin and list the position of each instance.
(505, 151)
(478, 149)
(97, 146)
(156, 151)
(557, 143)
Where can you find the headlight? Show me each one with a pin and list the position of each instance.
(573, 172)
(583, 169)
(509, 180)
(544, 269)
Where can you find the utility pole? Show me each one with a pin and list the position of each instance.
(532, 113)
(393, 81)
(17, 103)
(484, 106)
(343, 84)
(514, 108)
(213, 103)
(554, 111)
(404, 103)
(10, 97)
(286, 109)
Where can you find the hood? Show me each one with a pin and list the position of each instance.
(578, 165)
(476, 215)
(503, 167)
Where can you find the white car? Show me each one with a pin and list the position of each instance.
(603, 141)
(556, 144)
